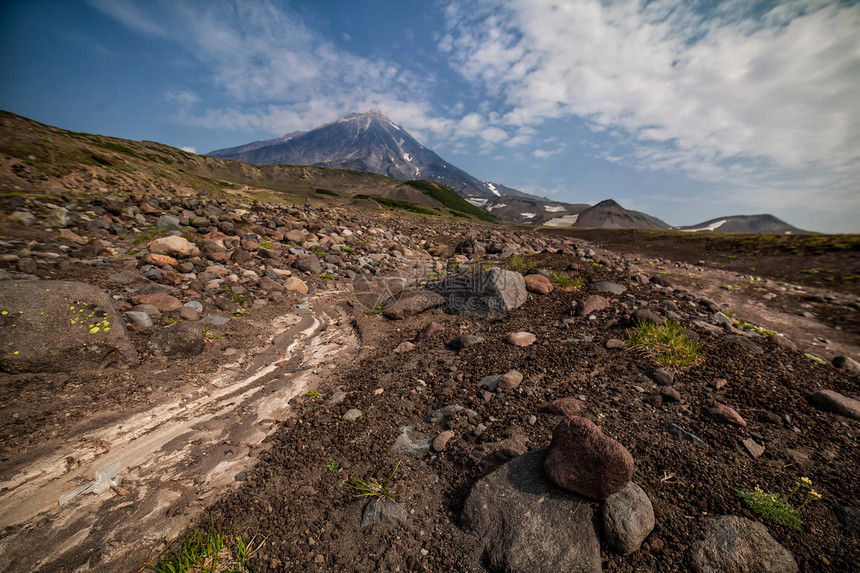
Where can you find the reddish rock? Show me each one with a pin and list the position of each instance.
(591, 304)
(405, 346)
(440, 441)
(296, 285)
(614, 344)
(584, 460)
(157, 260)
(174, 246)
(724, 415)
(160, 300)
(509, 381)
(538, 284)
(655, 400)
(670, 394)
(566, 407)
(521, 338)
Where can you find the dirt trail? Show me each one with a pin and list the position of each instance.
(176, 456)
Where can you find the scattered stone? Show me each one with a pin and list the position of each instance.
(724, 415)
(429, 330)
(849, 517)
(139, 319)
(188, 313)
(404, 346)
(643, 315)
(784, 343)
(58, 218)
(307, 490)
(663, 377)
(591, 304)
(511, 379)
(608, 287)
(670, 394)
(127, 278)
(834, 402)
(583, 459)
(489, 293)
(173, 246)
(379, 510)
(181, 340)
(308, 264)
(352, 415)
(655, 400)
(521, 338)
(160, 300)
(440, 441)
(615, 344)
(214, 320)
(25, 218)
(566, 407)
(491, 383)
(54, 326)
(442, 414)
(168, 223)
(683, 434)
(846, 363)
(410, 303)
(296, 285)
(538, 284)
(628, 518)
(767, 417)
(753, 449)
(735, 544)
(465, 341)
(558, 534)
(718, 383)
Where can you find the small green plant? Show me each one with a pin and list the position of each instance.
(519, 263)
(208, 334)
(205, 551)
(727, 287)
(372, 311)
(346, 249)
(332, 465)
(373, 488)
(327, 276)
(320, 253)
(267, 245)
(313, 394)
(565, 281)
(668, 343)
(776, 508)
(171, 320)
(238, 299)
(750, 326)
(240, 312)
(815, 359)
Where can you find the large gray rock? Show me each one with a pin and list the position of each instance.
(181, 340)
(55, 326)
(735, 544)
(628, 518)
(487, 294)
(528, 524)
(836, 402)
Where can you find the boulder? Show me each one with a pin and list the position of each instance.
(410, 303)
(168, 223)
(296, 285)
(181, 340)
(735, 544)
(55, 326)
(527, 524)
(488, 294)
(846, 363)
(628, 518)
(591, 304)
(584, 460)
(308, 264)
(609, 287)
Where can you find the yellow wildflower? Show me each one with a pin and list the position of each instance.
(806, 481)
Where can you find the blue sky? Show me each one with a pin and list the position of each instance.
(684, 110)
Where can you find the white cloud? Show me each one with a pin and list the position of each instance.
(544, 154)
(722, 94)
(189, 149)
(130, 15)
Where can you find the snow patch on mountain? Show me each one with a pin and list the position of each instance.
(565, 221)
(492, 188)
(477, 202)
(555, 209)
(528, 215)
(712, 227)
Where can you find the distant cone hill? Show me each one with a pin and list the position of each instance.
(373, 143)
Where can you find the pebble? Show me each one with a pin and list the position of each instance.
(352, 415)
(521, 338)
(724, 414)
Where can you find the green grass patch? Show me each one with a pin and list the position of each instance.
(206, 552)
(519, 263)
(326, 192)
(395, 204)
(777, 508)
(373, 311)
(668, 343)
(370, 487)
(327, 276)
(450, 199)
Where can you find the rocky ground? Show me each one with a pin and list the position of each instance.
(250, 372)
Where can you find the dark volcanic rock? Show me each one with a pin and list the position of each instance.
(735, 544)
(409, 303)
(836, 402)
(465, 341)
(584, 460)
(488, 294)
(564, 406)
(183, 340)
(558, 534)
(55, 326)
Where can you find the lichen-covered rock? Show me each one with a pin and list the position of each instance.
(735, 544)
(181, 340)
(628, 518)
(57, 326)
(488, 294)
